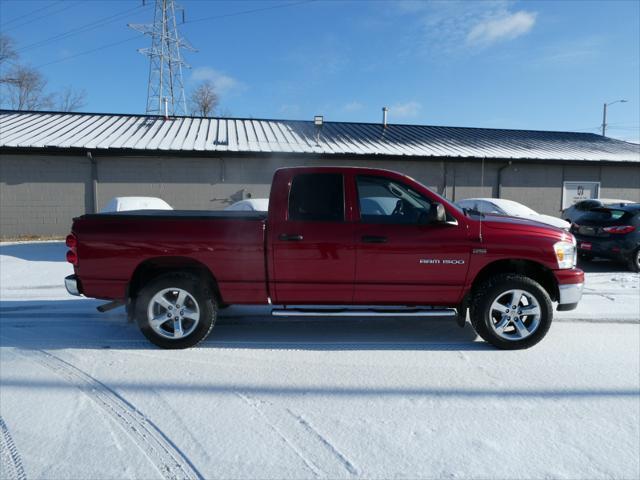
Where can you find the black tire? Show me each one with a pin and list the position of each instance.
(194, 287)
(491, 290)
(130, 310)
(634, 261)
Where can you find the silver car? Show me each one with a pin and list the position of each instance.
(502, 206)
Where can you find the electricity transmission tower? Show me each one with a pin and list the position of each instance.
(166, 87)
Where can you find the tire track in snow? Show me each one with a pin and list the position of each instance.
(10, 462)
(324, 441)
(170, 462)
(315, 450)
(255, 405)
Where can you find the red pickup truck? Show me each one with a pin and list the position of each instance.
(374, 241)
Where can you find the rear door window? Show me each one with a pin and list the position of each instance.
(317, 197)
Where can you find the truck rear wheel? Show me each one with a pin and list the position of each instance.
(175, 311)
(511, 311)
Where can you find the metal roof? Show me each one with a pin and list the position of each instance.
(147, 134)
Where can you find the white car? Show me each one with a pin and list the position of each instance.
(580, 208)
(501, 206)
(250, 205)
(119, 204)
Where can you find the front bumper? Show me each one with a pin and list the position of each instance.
(569, 295)
(72, 283)
(570, 286)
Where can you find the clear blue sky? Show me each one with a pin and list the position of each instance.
(538, 65)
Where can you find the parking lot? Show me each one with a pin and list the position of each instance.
(84, 392)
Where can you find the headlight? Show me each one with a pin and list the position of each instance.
(566, 254)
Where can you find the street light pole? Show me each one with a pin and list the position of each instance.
(604, 115)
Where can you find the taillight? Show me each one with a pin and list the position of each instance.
(72, 257)
(71, 241)
(619, 229)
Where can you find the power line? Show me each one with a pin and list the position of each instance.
(86, 27)
(30, 13)
(128, 39)
(246, 12)
(87, 52)
(46, 15)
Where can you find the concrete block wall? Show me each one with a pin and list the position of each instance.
(621, 182)
(539, 186)
(465, 180)
(185, 183)
(40, 194)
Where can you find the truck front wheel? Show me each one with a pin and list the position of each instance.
(175, 311)
(511, 311)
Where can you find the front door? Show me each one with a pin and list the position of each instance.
(401, 258)
(313, 251)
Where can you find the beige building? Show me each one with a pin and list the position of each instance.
(55, 166)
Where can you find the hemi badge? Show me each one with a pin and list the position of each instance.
(479, 250)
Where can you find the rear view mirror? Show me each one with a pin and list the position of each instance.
(437, 213)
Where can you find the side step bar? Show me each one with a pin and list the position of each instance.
(110, 306)
(372, 312)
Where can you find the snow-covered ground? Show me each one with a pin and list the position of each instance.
(84, 395)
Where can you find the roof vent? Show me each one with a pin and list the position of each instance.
(384, 116)
(318, 120)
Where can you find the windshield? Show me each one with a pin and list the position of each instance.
(605, 215)
(514, 208)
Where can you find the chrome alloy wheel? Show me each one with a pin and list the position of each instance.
(173, 313)
(514, 315)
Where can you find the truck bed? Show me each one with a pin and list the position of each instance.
(113, 246)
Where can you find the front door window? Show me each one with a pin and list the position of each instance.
(386, 201)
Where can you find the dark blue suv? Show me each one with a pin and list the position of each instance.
(610, 233)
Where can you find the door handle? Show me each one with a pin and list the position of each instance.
(290, 237)
(374, 239)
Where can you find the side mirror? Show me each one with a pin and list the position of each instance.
(437, 213)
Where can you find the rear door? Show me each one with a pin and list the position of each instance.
(400, 258)
(312, 241)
